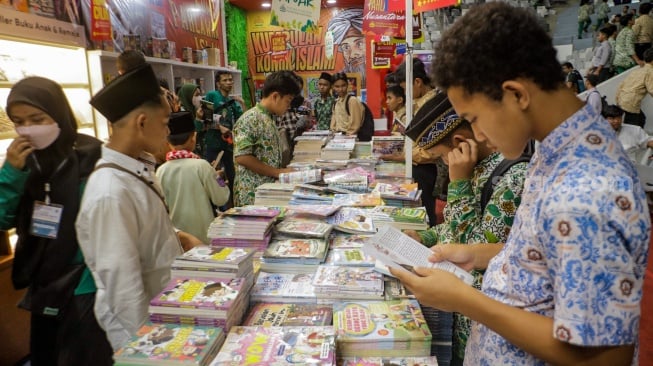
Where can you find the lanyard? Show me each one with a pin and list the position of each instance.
(46, 187)
(149, 185)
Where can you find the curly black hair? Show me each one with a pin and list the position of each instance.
(493, 43)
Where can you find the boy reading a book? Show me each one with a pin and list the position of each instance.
(467, 218)
(257, 144)
(566, 286)
(190, 184)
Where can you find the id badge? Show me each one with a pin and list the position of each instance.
(45, 220)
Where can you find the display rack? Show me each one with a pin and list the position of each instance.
(102, 69)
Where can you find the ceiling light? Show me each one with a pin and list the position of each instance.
(331, 1)
(266, 5)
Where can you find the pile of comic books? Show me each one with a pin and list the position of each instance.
(247, 226)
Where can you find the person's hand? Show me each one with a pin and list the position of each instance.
(220, 173)
(444, 296)
(413, 234)
(462, 160)
(461, 255)
(239, 99)
(18, 151)
(188, 241)
(286, 170)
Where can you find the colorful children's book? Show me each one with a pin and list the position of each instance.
(345, 241)
(404, 191)
(341, 278)
(392, 361)
(349, 257)
(283, 287)
(210, 257)
(312, 210)
(271, 314)
(304, 228)
(304, 249)
(201, 297)
(252, 211)
(400, 214)
(267, 346)
(353, 220)
(171, 344)
(358, 199)
(387, 145)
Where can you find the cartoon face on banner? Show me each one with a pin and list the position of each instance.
(347, 28)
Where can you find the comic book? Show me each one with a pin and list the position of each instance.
(393, 361)
(263, 211)
(171, 344)
(348, 257)
(402, 191)
(358, 199)
(353, 220)
(387, 145)
(214, 257)
(272, 314)
(304, 228)
(283, 287)
(201, 297)
(353, 279)
(345, 241)
(267, 346)
(296, 250)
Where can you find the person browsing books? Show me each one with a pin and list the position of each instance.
(257, 144)
(123, 225)
(566, 286)
(190, 184)
(323, 106)
(46, 168)
(467, 217)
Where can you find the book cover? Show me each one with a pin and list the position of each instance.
(380, 321)
(348, 257)
(353, 221)
(215, 256)
(400, 214)
(199, 293)
(402, 191)
(172, 344)
(252, 211)
(387, 145)
(390, 361)
(304, 228)
(312, 210)
(271, 314)
(344, 241)
(277, 346)
(341, 278)
(296, 248)
(358, 199)
(283, 285)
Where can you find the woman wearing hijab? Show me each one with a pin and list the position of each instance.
(41, 184)
(190, 97)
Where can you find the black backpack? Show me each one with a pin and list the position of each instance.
(366, 131)
(500, 170)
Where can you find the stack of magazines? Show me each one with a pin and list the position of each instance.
(273, 194)
(218, 262)
(284, 288)
(247, 226)
(294, 255)
(399, 195)
(403, 218)
(333, 283)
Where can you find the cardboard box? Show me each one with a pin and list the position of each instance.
(213, 56)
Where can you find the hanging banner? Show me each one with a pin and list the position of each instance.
(420, 6)
(382, 54)
(25, 25)
(377, 20)
(328, 45)
(302, 15)
(100, 21)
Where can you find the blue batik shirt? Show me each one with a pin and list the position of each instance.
(578, 247)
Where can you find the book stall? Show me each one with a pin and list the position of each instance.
(302, 276)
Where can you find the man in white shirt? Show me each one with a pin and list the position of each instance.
(124, 230)
(633, 138)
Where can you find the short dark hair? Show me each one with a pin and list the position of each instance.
(592, 79)
(484, 31)
(645, 8)
(340, 76)
(567, 65)
(608, 30)
(129, 60)
(397, 91)
(219, 73)
(282, 82)
(612, 111)
(180, 138)
(625, 20)
(164, 83)
(648, 56)
(390, 79)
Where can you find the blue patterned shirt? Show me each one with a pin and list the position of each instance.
(578, 247)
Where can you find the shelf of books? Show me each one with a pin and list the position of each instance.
(303, 276)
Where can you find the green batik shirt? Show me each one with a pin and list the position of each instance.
(213, 138)
(465, 223)
(254, 134)
(323, 110)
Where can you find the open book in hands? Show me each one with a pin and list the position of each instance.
(399, 251)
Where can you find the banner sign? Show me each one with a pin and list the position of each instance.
(25, 25)
(420, 6)
(100, 21)
(302, 15)
(377, 20)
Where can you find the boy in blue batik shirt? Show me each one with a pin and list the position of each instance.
(566, 286)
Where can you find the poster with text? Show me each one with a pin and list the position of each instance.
(302, 15)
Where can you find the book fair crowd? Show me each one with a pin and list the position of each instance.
(158, 245)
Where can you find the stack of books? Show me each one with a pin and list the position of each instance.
(387, 145)
(284, 288)
(381, 328)
(334, 283)
(247, 226)
(301, 176)
(215, 262)
(352, 179)
(388, 171)
(380, 361)
(296, 255)
(303, 228)
(339, 148)
(362, 150)
(201, 301)
(349, 257)
(294, 315)
(308, 148)
(403, 218)
(372, 199)
(353, 221)
(399, 195)
(171, 344)
(278, 346)
(339, 240)
(273, 194)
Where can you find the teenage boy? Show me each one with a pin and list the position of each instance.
(323, 106)
(257, 145)
(483, 194)
(123, 227)
(190, 184)
(602, 55)
(566, 286)
(630, 93)
(220, 136)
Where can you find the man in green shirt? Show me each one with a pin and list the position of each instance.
(323, 106)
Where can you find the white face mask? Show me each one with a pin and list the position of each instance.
(196, 101)
(41, 136)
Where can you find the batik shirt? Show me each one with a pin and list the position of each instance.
(465, 223)
(254, 134)
(577, 251)
(323, 109)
